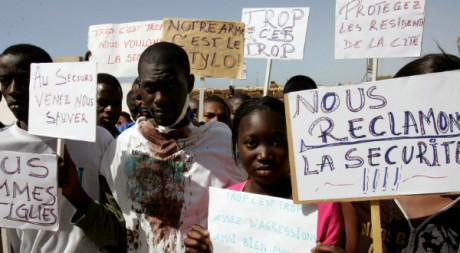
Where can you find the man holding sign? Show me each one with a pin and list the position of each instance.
(78, 205)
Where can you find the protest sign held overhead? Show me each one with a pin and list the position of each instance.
(275, 33)
(215, 48)
(378, 29)
(62, 100)
(117, 47)
(259, 223)
(28, 191)
(380, 139)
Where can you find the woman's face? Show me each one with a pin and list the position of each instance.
(262, 146)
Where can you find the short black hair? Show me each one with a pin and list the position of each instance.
(31, 53)
(165, 52)
(266, 103)
(217, 99)
(298, 83)
(136, 82)
(130, 100)
(126, 115)
(242, 96)
(430, 63)
(110, 80)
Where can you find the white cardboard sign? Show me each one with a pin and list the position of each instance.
(377, 29)
(375, 140)
(275, 33)
(28, 191)
(245, 222)
(62, 100)
(117, 47)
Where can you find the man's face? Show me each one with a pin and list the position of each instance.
(109, 100)
(214, 111)
(140, 105)
(131, 103)
(14, 81)
(164, 88)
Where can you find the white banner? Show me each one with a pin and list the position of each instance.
(378, 29)
(28, 191)
(393, 137)
(62, 100)
(246, 222)
(275, 33)
(117, 47)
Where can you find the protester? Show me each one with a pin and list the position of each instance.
(298, 83)
(109, 98)
(236, 101)
(140, 105)
(423, 223)
(124, 120)
(131, 103)
(259, 138)
(160, 169)
(216, 109)
(80, 190)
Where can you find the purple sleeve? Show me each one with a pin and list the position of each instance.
(330, 223)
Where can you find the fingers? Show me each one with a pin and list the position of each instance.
(198, 240)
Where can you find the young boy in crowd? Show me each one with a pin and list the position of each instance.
(98, 224)
(109, 98)
(130, 102)
(216, 109)
(160, 169)
(140, 105)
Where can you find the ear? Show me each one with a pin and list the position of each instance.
(190, 83)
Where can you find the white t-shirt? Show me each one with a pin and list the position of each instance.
(162, 196)
(87, 157)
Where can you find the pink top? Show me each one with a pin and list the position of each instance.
(330, 221)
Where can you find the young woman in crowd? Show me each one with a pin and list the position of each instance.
(260, 145)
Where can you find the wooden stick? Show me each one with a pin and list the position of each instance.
(374, 69)
(376, 226)
(267, 76)
(5, 242)
(201, 100)
(60, 152)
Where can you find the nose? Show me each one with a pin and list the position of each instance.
(15, 88)
(264, 154)
(159, 98)
(109, 108)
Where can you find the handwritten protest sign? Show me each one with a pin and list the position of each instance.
(374, 28)
(28, 191)
(62, 100)
(375, 140)
(275, 33)
(117, 47)
(215, 48)
(258, 223)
